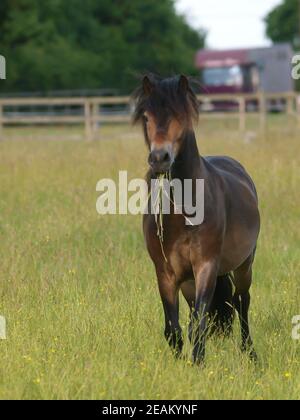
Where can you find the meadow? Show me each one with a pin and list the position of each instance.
(78, 290)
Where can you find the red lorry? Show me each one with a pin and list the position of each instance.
(246, 71)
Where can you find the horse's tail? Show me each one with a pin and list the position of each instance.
(222, 310)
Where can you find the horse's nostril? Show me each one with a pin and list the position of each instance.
(151, 159)
(159, 158)
(166, 157)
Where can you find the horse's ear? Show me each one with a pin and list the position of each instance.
(183, 84)
(147, 85)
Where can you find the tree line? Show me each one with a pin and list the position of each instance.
(92, 44)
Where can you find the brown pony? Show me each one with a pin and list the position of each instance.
(200, 260)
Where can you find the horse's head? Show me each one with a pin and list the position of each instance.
(166, 108)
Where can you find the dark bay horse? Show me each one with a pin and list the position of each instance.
(200, 260)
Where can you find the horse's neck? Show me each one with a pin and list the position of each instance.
(188, 163)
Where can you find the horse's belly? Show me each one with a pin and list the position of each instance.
(237, 247)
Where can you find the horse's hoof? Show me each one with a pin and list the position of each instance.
(253, 356)
(251, 353)
(199, 361)
(178, 355)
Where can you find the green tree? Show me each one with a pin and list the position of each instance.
(283, 23)
(59, 44)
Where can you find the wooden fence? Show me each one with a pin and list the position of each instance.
(93, 111)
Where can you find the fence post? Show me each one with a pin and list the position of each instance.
(242, 113)
(131, 107)
(290, 105)
(87, 120)
(262, 113)
(95, 107)
(1, 121)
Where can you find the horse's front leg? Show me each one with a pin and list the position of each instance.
(205, 280)
(168, 289)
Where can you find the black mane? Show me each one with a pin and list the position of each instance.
(167, 98)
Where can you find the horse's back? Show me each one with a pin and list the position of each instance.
(231, 169)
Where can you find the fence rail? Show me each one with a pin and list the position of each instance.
(93, 111)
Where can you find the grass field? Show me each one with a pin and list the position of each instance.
(78, 290)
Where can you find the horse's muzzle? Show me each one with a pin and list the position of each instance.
(160, 160)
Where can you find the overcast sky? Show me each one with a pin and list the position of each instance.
(230, 23)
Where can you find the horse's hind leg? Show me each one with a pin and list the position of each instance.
(241, 300)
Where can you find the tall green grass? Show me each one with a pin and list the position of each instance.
(78, 290)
